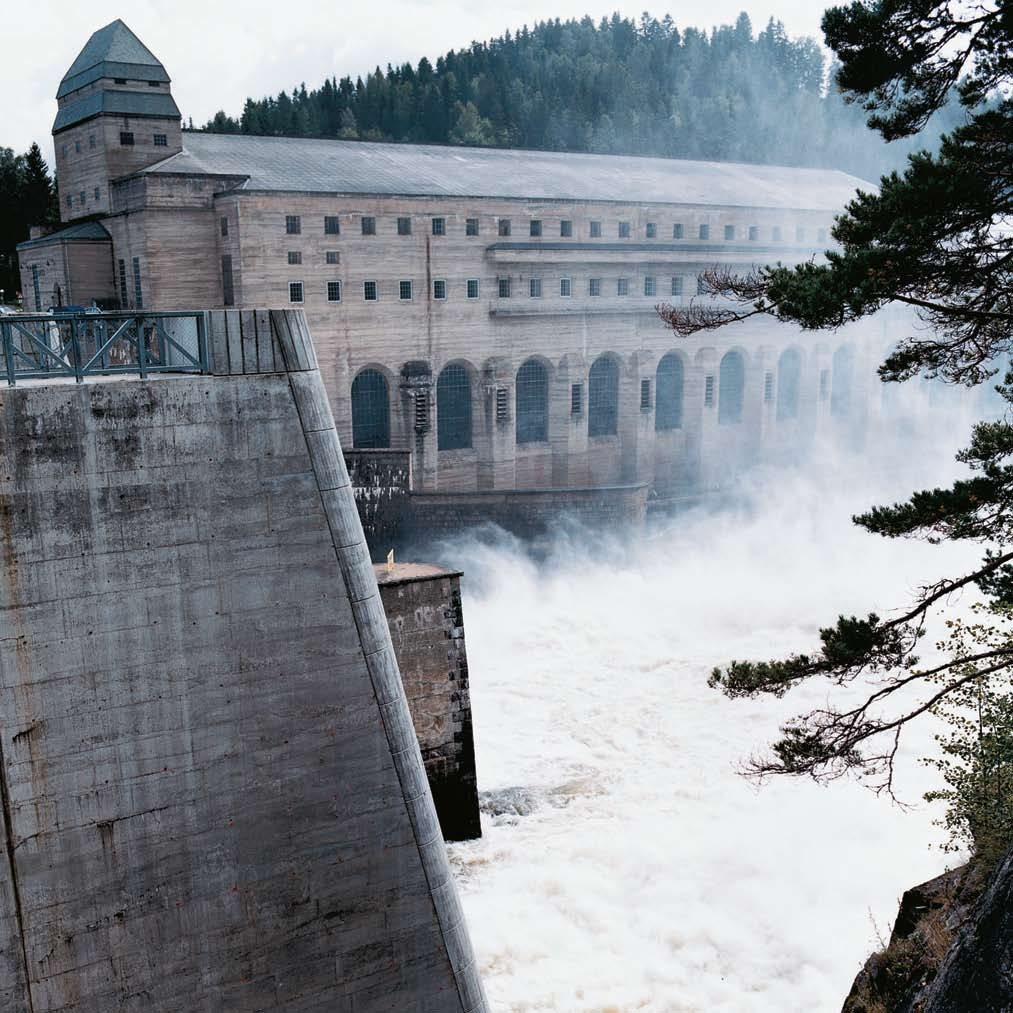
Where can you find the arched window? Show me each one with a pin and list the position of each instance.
(789, 377)
(603, 398)
(532, 402)
(668, 393)
(370, 410)
(453, 408)
(731, 387)
(843, 367)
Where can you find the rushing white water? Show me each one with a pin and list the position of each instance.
(638, 870)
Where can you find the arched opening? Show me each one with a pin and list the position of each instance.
(668, 393)
(453, 408)
(731, 388)
(842, 381)
(603, 397)
(370, 411)
(789, 381)
(532, 402)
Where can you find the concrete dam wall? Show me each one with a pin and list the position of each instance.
(213, 798)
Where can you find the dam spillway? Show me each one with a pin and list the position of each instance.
(212, 794)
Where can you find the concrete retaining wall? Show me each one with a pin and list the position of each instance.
(212, 794)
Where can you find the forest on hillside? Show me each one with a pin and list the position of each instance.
(615, 86)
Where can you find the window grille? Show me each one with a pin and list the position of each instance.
(677, 285)
(127, 138)
(645, 395)
(332, 257)
(535, 227)
(566, 228)
(439, 226)
(504, 288)
(293, 225)
(295, 293)
(404, 226)
(624, 230)
(228, 298)
(420, 404)
(404, 289)
(370, 411)
(768, 387)
(369, 291)
(623, 286)
(668, 393)
(439, 288)
(594, 286)
(596, 230)
(576, 398)
(502, 405)
(603, 398)
(565, 287)
(334, 291)
(123, 285)
(731, 388)
(368, 224)
(453, 408)
(705, 232)
(138, 301)
(332, 225)
(504, 226)
(472, 287)
(471, 226)
(160, 140)
(650, 286)
(535, 288)
(789, 383)
(294, 256)
(531, 397)
(678, 231)
(652, 230)
(708, 390)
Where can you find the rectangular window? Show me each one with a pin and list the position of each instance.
(404, 290)
(36, 290)
(368, 226)
(678, 231)
(64, 150)
(708, 390)
(504, 288)
(439, 288)
(439, 226)
(228, 298)
(775, 233)
(138, 301)
(295, 291)
(404, 226)
(535, 288)
(91, 140)
(652, 230)
(77, 147)
(295, 256)
(576, 398)
(70, 201)
(535, 227)
(81, 195)
(332, 225)
(645, 395)
(332, 257)
(594, 286)
(596, 230)
(799, 234)
(334, 291)
(729, 232)
(369, 291)
(224, 224)
(705, 232)
(824, 384)
(472, 287)
(650, 286)
(701, 286)
(119, 80)
(768, 386)
(677, 285)
(623, 286)
(504, 226)
(123, 284)
(565, 287)
(754, 233)
(471, 226)
(624, 230)
(153, 84)
(161, 140)
(566, 228)
(98, 193)
(293, 225)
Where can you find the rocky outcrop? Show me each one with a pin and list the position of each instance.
(951, 950)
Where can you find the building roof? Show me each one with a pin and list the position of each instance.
(157, 105)
(313, 165)
(83, 232)
(112, 51)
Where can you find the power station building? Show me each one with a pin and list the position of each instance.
(489, 312)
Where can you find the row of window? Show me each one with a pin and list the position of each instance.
(504, 227)
(370, 396)
(82, 197)
(505, 288)
(127, 140)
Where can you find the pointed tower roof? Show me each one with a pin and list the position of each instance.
(112, 51)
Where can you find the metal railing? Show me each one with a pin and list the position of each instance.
(79, 345)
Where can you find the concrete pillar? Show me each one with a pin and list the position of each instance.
(568, 428)
(495, 436)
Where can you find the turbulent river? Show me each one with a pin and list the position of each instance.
(625, 863)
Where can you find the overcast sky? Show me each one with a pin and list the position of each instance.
(217, 54)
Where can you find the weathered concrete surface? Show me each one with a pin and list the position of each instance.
(423, 607)
(212, 796)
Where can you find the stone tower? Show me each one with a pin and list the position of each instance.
(115, 115)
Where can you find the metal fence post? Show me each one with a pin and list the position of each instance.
(5, 330)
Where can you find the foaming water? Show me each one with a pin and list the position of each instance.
(625, 864)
